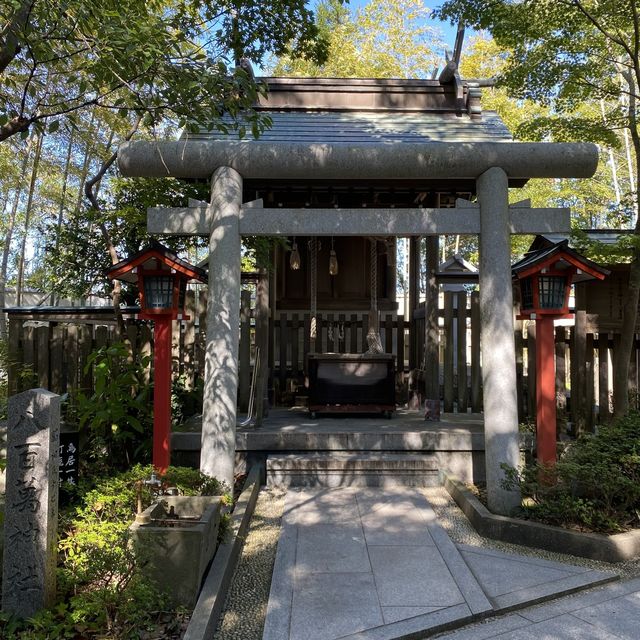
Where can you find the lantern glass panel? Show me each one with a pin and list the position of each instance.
(158, 292)
(526, 291)
(551, 291)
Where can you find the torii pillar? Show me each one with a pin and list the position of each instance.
(497, 338)
(218, 448)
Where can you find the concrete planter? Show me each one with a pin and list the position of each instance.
(176, 538)
(618, 547)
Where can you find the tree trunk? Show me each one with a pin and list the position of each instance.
(8, 238)
(9, 38)
(91, 189)
(86, 162)
(63, 197)
(27, 218)
(630, 309)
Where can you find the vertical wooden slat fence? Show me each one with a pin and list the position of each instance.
(53, 353)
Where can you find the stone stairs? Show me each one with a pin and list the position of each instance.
(356, 469)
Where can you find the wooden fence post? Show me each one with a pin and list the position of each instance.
(244, 373)
(448, 352)
(14, 355)
(578, 370)
(476, 371)
(461, 352)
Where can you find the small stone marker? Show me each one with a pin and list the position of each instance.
(31, 502)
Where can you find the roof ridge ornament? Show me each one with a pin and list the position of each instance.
(451, 75)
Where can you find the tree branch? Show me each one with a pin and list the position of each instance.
(9, 40)
(598, 25)
(91, 192)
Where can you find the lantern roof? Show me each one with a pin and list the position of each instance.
(559, 256)
(155, 256)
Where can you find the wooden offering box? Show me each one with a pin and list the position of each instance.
(351, 383)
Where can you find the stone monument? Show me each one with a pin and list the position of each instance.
(31, 504)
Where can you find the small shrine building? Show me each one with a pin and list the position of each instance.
(347, 161)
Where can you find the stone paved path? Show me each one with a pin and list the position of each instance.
(611, 612)
(370, 564)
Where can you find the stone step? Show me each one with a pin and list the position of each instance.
(352, 470)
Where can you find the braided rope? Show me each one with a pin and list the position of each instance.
(373, 259)
(373, 335)
(313, 267)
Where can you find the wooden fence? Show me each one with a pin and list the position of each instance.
(49, 348)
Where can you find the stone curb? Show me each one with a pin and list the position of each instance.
(208, 609)
(618, 547)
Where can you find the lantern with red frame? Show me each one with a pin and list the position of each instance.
(545, 277)
(162, 279)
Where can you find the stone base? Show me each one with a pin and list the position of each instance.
(352, 470)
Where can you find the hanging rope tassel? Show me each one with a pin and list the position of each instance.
(373, 335)
(313, 303)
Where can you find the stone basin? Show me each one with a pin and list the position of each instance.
(176, 538)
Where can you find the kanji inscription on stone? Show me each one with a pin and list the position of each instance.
(31, 503)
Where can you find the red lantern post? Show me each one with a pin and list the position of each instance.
(545, 277)
(161, 277)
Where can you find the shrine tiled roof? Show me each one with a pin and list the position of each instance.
(362, 126)
(361, 111)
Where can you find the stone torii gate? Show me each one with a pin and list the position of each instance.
(225, 219)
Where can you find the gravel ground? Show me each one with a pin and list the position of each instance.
(246, 604)
(460, 530)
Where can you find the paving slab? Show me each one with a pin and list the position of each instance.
(511, 581)
(407, 575)
(375, 564)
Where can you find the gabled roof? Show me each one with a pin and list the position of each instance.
(559, 254)
(357, 111)
(147, 258)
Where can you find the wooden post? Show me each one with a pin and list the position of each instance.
(603, 377)
(85, 339)
(461, 352)
(531, 369)
(188, 340)
(476, 371)
(244, 372)
(353, 334)
(578, 369)
(16, 336)
(431, 356)
(294, 347)
(519, 344)
(388, 333)
(42, 360)
(400, 348)
(448, 352)
(414, 273)
(72, 357)
(282, 335)
(57, 358)
(262, 343)
(589, 382)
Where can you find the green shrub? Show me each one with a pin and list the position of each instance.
(119, 413)
(595, 484)
(102, 592)
(185, 402)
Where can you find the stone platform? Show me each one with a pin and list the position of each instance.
(456, 442)
(374, 564)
